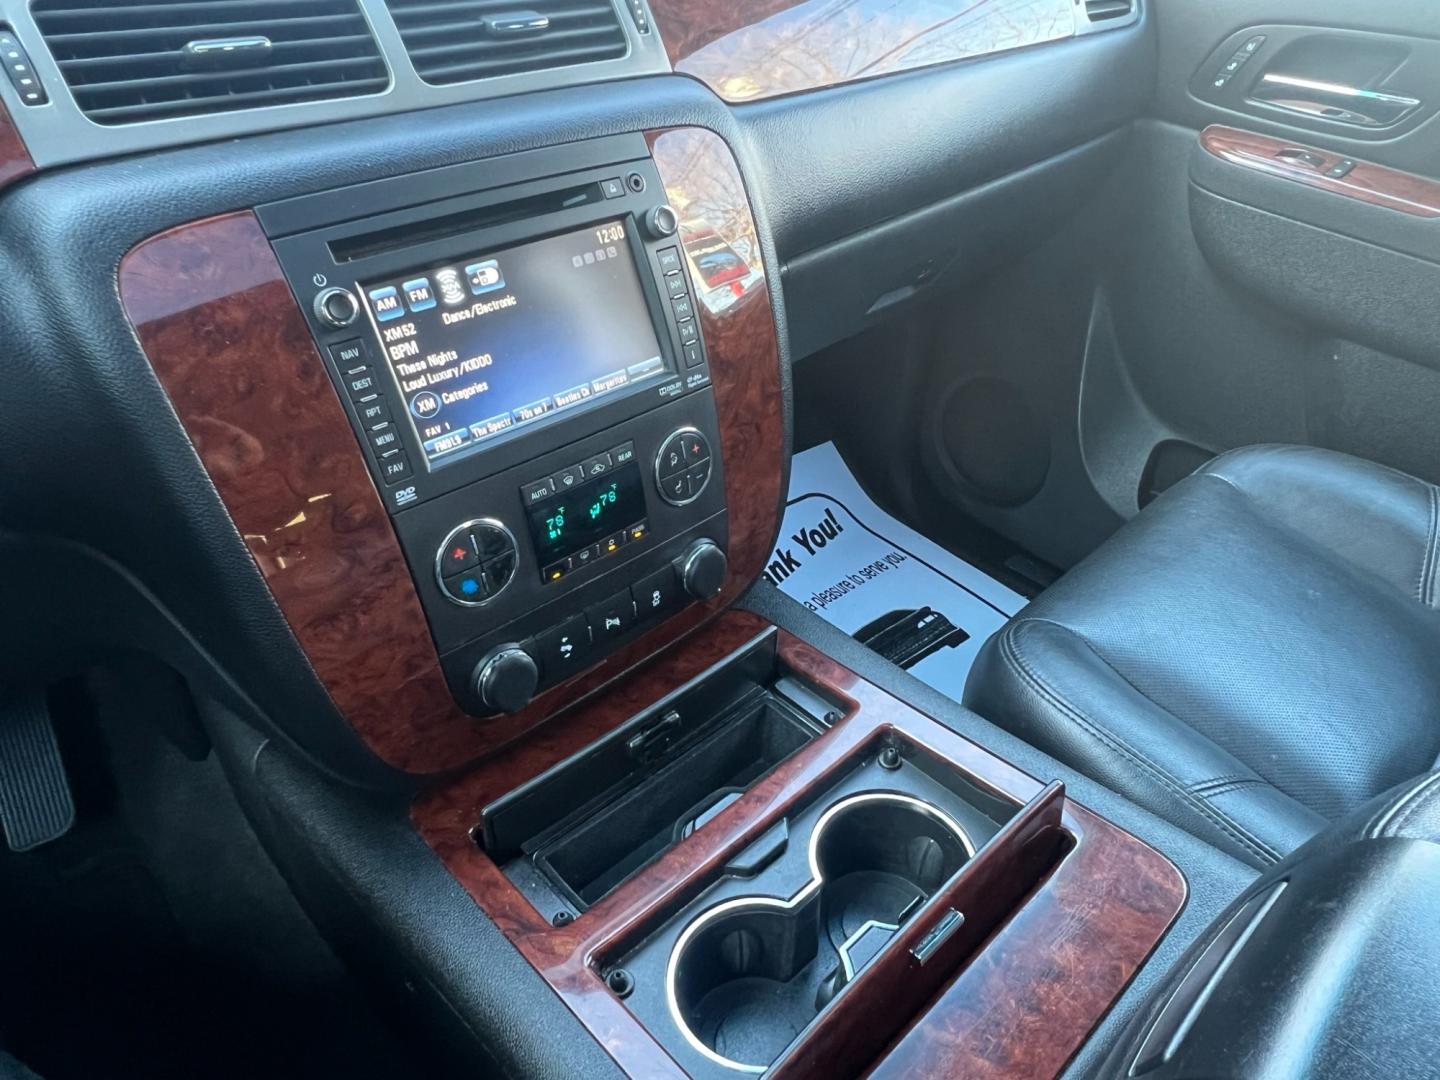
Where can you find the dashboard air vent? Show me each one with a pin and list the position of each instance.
(451, 41)
(126, 62)
(1100, 10)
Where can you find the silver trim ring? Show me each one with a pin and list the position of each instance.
(465, 527)
(710, 457)
(815, 882)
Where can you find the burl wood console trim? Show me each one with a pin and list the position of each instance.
(227, 341)
(1020, 1007)
(1377, 185)
(765, 48)
(15, 160)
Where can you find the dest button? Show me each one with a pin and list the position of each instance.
(656, 593)
(613, 617)
(563, 648)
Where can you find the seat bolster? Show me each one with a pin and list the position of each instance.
(1047, 684)
(1374, 517)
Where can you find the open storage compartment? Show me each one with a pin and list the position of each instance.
(571, 836)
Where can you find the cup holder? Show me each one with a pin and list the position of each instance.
(748, 975)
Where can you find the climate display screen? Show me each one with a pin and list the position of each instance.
(594, 510)
(485, 345)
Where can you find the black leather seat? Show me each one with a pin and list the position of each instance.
(1254, 656)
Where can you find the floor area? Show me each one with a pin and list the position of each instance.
(872, 576)
(156, 939)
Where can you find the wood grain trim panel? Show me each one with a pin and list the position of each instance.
(15, 160)
(1047, 975)
(765, 48)
(227, 341)
(1377, 185)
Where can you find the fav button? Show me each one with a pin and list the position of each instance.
(613, 617)
(395, 466)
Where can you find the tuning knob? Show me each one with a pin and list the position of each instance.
(703, 569)
(506, 679)
(661, 221)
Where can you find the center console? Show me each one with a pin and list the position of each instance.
(506, 440)
(520, 356)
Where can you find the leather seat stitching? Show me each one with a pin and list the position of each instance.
(1415, 801)
(1011, 653)
(1217, 790)
(1387, 814)
(1432, 544)
(1414, 809)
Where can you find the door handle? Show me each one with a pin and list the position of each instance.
(1336, 102)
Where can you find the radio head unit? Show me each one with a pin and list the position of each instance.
(517, 344)
(483, 347)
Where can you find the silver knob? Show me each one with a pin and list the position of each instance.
(336, 307)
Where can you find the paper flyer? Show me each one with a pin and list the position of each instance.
(880, 581)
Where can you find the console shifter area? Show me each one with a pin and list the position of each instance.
(519, 351)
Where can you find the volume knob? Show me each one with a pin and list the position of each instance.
(661, 221)
(703, 569)
(506, 679)
(336, 307)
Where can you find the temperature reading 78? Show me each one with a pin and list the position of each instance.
(606, 498)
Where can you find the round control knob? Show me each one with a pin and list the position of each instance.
(683, 466)
(506, 679)
(703, 569)
(476, 562)
(661, 221)
(336, 307)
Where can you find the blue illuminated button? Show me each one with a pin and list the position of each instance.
(485, 277)
(387, 303)
(468, 588)
(418, 294)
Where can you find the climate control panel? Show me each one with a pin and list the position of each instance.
(538, 572)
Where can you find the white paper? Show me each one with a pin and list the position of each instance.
(856, 566)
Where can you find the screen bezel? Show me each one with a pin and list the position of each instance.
(649, 292)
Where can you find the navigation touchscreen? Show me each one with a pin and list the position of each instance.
(483, 346)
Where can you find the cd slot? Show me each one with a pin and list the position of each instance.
(363, 245)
